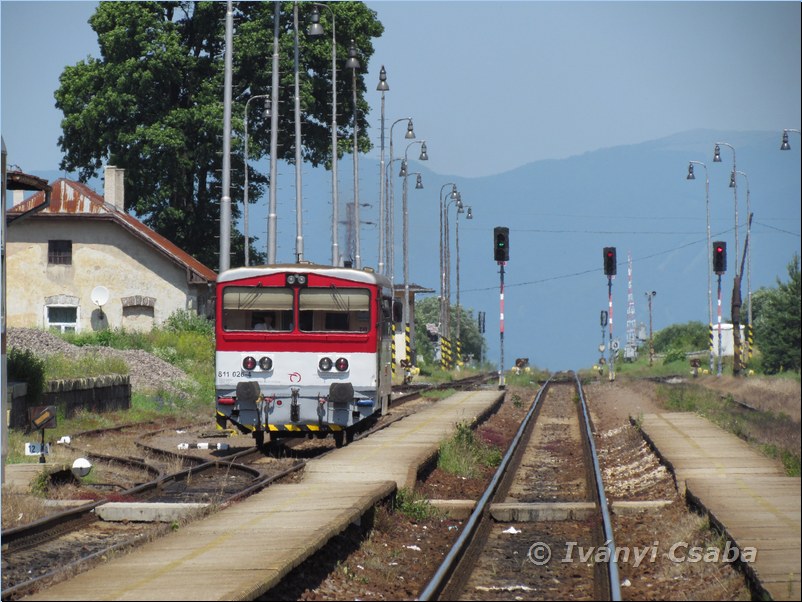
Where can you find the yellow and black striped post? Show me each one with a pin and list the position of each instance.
(458, 357)
(408, 344)
(445, 354)
(392, 350)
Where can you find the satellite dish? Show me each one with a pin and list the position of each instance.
(100, 296)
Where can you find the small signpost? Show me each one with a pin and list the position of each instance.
(41, 417)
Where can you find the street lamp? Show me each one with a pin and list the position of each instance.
(469, 215)
(382, 87)
(390, 237)
(709, 251)
(316, 30)
(717, 159)
(245, 193)
(651, 344)
(748, 252)
(408, 321)
(443, 306)
(353, 64)
(447, 257)
(785, 145)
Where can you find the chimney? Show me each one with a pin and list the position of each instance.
(114, 187)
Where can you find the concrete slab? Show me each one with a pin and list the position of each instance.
(624, 508)
(244, 550)
(746, 494)
(151, 512)
(544, 511)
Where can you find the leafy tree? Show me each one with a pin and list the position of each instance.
(776, 316)
(691, 336)
(153, 104)
(427, 311)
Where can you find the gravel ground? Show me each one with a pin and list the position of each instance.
(147, 372)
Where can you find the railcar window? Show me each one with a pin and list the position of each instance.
(334, 309)
(257, 308)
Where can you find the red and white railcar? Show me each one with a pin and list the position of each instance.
(302, 350)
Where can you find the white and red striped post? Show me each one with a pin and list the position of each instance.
(501, 382)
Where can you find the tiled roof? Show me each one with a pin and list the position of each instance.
(69, 198)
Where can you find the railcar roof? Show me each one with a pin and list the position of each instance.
(354, 275)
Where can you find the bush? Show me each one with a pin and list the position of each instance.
(25, 366)
(188, 321)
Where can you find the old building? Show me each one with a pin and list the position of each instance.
(83, 264)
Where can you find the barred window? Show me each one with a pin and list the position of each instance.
(59, 252)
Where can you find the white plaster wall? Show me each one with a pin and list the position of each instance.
(103, 253)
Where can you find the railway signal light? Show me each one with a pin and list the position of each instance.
(719, 257)
(609, 261)
(501, 243)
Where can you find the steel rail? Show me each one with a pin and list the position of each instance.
(444, 572)
(614, 583)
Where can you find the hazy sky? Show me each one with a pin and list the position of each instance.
(494, 85)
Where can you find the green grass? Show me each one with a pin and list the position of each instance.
(186, 341)
(464, 455)
(414, 506)
(775, 434)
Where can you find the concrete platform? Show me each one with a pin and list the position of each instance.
(242, 551)
(746, 494)
(20, 477)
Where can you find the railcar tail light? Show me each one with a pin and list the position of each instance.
(249, 363)
(341, 364)
(325, 364)
(266, 364)
(226, 401)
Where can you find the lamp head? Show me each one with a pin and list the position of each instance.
(383, 86)
(470, 214)
(423, 155)
(785, 145)
(732, 180)
(410, 135)
(419, 182)
(403, 171)
(352, 62)
(717, 154)
(690, 172)
(315, 29)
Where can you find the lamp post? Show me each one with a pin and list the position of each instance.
(225, 200)
(469, 215)
(316, 30)
(271, 213)
(443, 306)
(382, 87)
(245, 192)
(649, 296)
(408, 322)
(717, 159)
(785, 145)
(748, 244)
(390, 237)
(709, 252)
(457, 201)
(299, 234)
(353, 64)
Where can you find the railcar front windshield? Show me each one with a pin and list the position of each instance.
(257, 308)
(334, 309)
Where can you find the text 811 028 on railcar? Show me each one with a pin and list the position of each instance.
(302, 350)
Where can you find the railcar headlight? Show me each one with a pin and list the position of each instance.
(341, 364)
(291, 279)
(325, 364)
(266, 364)
(249, 363)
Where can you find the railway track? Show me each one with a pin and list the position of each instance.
(512, 546)
(70, 541)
